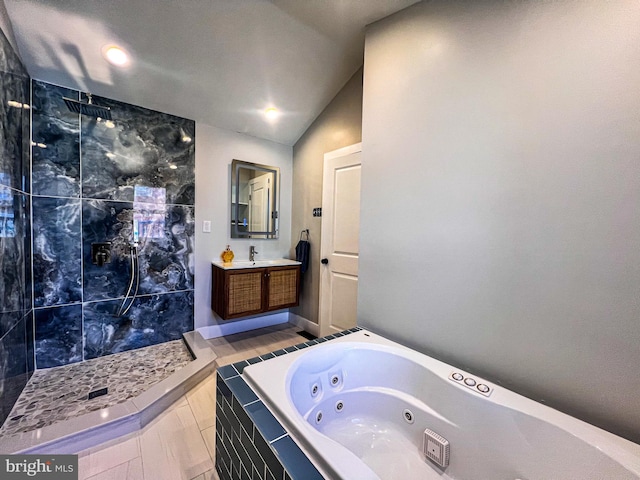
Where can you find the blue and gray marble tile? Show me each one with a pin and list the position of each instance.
(165, 252)
(152, 319)
(47, 99)
(9, 60)
(28, 253)
(15, 260)
(56, 142)
(166, 261)
(58, 335)
(57, 251)
(139, 147)
(104, 221)
(8, 320)
(13, 157)
(55, 157)
(30, 334)
(13, 367)
(13, 263)
(90, 180)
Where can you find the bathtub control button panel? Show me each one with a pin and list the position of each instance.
(482, 388)
(471, 383)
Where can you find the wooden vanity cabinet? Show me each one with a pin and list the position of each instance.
(249, 291)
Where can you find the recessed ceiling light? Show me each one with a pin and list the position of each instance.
(271, 113)
(115, 56)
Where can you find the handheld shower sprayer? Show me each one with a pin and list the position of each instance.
(135, 272)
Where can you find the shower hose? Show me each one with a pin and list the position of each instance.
(135, 276)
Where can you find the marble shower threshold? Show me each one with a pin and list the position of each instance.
(123, 410)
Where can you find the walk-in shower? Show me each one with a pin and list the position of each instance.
(112, 233)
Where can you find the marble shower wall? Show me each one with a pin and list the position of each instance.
(100, 181)
(16, 314)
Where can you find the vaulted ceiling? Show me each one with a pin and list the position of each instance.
(221, 62)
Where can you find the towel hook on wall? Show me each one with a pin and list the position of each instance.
(303, 232)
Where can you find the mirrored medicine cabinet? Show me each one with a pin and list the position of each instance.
(255, 195)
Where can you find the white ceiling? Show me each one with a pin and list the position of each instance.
(220, 62)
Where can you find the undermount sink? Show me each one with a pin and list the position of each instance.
(279, 262)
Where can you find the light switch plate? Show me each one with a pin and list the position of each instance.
(206, 226)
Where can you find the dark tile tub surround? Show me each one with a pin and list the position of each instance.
(16, 314)
(92, 181)
(250, 442)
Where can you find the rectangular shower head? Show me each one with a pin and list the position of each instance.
(88, 109)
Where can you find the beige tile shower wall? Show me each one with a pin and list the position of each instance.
(339, 125)
(500, 227)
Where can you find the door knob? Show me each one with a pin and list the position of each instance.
(324, 261)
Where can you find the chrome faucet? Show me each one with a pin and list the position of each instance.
(252, 253)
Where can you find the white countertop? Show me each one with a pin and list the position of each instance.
(279, 262)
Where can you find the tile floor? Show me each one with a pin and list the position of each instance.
(56, 394)
(180, 442)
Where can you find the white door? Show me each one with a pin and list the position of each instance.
(340, 238)
(259, 203)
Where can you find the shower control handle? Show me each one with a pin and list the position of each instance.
(101, 253)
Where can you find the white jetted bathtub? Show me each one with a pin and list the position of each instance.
(363, 407)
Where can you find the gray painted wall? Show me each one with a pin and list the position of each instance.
(501, 196)
(339, 125)
(215, 150)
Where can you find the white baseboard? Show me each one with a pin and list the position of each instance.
(308, 325)
(214, 331)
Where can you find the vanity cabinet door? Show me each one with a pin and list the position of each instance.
(237, 293)
(246, 290)
(283, 287)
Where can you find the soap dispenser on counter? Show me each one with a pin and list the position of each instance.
(227, 255)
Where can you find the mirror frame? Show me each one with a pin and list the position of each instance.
(272, 230)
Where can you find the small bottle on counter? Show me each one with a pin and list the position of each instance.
(227, 255)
